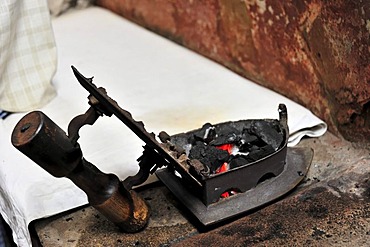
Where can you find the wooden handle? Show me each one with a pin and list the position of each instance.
(44, 142)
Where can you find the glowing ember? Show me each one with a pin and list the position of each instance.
(225, 165)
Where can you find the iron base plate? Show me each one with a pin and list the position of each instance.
(298, 161)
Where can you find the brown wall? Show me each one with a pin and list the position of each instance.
(315, 52)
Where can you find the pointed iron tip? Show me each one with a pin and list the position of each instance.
(76, 72)
(79, 76)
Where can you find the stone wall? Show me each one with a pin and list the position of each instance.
(315, 52)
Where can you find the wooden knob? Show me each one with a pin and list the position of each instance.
(44, 142)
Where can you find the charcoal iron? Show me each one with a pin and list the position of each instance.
(258, 183)
(189, 180)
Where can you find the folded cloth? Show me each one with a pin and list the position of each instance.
(27, 55)
(165, 85)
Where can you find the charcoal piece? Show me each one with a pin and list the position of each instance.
(198, 150)
(247, 142)
(260, 153)
(254, 148)
(219, 140)
(245, 148)
(226, 135)
(180, 140)
(237, 161)
(226, 129)
(248, 138)
(192, 140)
(198, 168)
(267, 132)
(206, 134)
(208, 155)
(230, 138)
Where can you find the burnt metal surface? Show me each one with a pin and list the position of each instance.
(298, 161)
(315, 52)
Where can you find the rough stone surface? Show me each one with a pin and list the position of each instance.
(330, 208)
(87, 227)
(315, 218)
(315, 52)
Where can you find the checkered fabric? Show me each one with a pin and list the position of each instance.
(27, 55)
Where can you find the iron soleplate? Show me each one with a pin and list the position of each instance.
(298, 161)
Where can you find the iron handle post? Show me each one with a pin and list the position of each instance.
(44, 142)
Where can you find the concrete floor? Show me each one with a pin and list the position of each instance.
(330, 208)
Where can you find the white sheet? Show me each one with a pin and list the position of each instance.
(163, 84)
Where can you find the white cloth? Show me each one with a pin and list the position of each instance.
(27, 55)
(161, 83)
